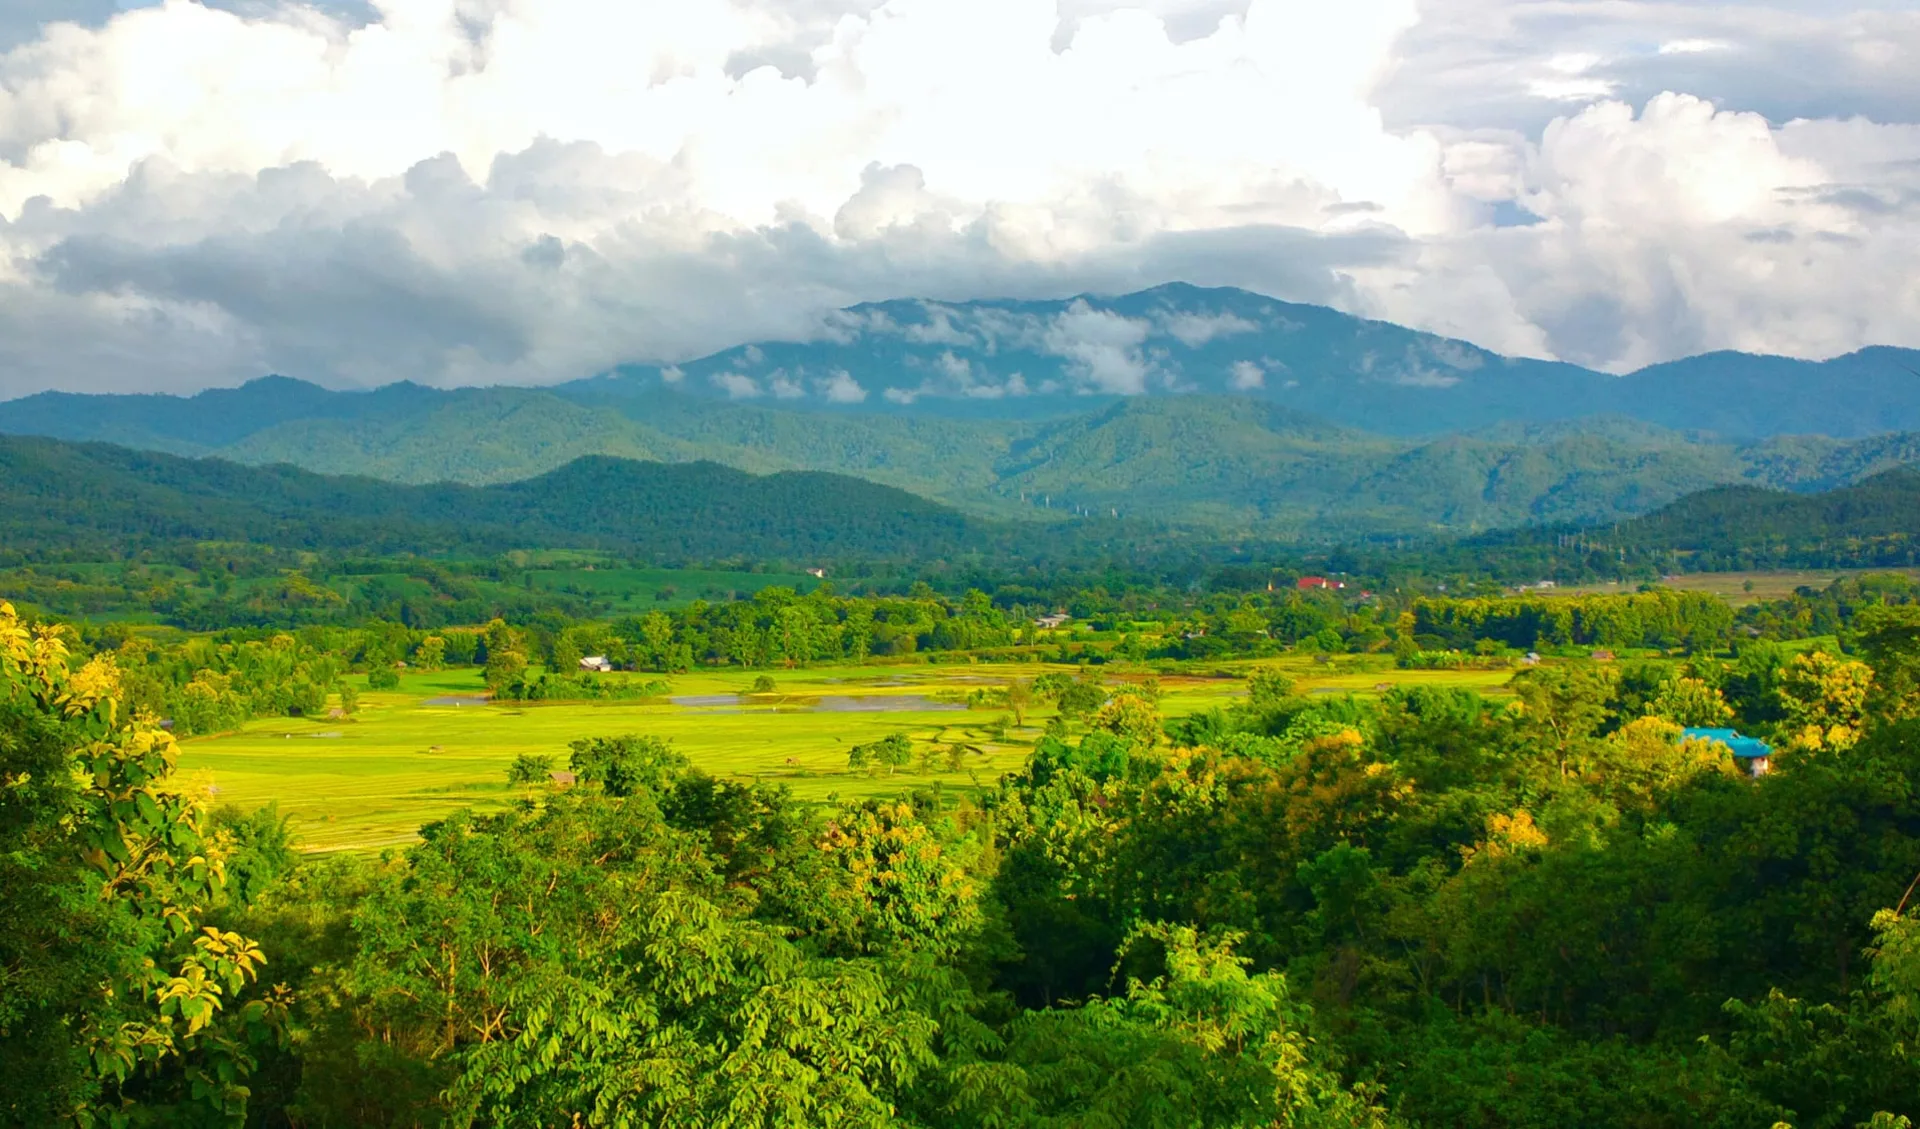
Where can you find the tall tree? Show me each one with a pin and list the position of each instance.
(109, 974)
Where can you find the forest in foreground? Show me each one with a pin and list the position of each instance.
(1424, 907)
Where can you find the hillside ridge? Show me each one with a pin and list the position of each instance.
(99, 499)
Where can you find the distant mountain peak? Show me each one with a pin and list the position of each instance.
(1012, 357)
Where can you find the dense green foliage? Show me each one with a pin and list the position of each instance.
(205, 686)
(116, 994)
(1811, 612)
(1657, 618)
(1422, 909)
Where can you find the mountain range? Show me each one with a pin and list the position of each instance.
(1034, 359)
(91, 501)
(1210, 407)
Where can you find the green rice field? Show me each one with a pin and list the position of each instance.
(415, 754)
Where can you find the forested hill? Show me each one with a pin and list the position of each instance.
(1874, 523)
(1740, 522)
(98, 500)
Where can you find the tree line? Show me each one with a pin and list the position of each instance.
(215, 682)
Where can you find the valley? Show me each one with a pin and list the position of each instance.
(432, 745)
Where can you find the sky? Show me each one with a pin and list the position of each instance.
(528, 191)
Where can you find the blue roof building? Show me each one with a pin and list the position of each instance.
(1756, 753)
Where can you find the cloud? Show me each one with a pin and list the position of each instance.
(1660, 211)
(1569, 78)
(534, 190)
(889, 197)
(842, 388)
(1420, 376)
(938, 329)
(1471, 63)
(1195, 330)
(1245, 376)
(1692, 46)
(959, 377)
(1102, 348)
(737, 386)
(957, 369)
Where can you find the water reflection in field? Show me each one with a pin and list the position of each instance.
(881, 703)
(829, 703)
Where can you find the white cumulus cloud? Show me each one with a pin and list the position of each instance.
(1195, 330)
(1102, 348)
(842, 388)
(473, 191)
(737, 386)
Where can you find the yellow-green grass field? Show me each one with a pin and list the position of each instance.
(371, 780)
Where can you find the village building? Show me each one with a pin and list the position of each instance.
(1755, 755)
(1057, 619)
(596, 663)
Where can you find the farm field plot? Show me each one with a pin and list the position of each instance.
(1738, 588)
(433, 746)
(413, 755)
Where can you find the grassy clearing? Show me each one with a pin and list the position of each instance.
(371, 780)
